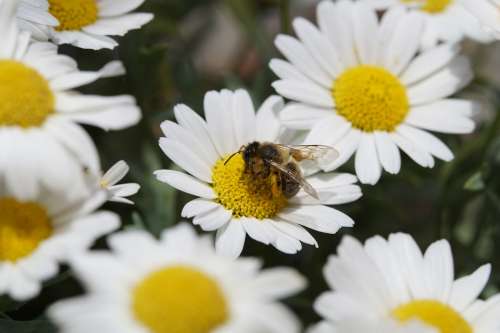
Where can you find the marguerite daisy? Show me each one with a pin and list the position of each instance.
(40, 140)
(176, 285)
(87, 23)
(118, 192)
(391, 280)
(232, 201)
(487, 12)
(39, 232)
(445, 20)
(360, 86)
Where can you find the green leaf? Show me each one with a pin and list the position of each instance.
(475, 183)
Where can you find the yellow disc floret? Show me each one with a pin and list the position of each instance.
(370, 98)
(430, 6)
(73, 14)
(243, 193)
(435, 314)
(26, 98)
(180, 299)
(23, 226)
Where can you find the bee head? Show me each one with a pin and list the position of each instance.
(250, 151)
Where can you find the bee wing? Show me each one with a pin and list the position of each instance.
(300, 180)
(322, 155)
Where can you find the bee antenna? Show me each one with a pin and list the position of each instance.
(230, 157)
(242, 148)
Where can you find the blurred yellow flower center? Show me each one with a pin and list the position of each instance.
(23, 226)
(26, 98)
(180, 299)
(370, 98)
(243, 193)
(430, 6)
(435, 314)
(73, 14)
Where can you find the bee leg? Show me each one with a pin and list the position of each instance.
(275, 185)
(265, 171)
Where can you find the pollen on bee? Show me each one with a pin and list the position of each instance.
(245, 194)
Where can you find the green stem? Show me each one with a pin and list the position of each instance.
(285, 16)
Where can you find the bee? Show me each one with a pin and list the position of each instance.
(266, 159)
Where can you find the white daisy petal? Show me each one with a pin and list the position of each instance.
(300, 116)
(301, 58)
(230, 239)
(213, 219)
(197, 207)
(335, 22)
(429, 62)
(268, 122)
(185, 183)
(244, 121)
(446, 116)
(466, 289)
(367, 163)
(304, 92)
(192, 122)
(181, 155)
(365, 33)
(428, 142)
(388, 152)
(318, 46)
(443, 83)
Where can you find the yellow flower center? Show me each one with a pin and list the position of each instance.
(23, 226)
(370, 98)
(435, 314)
(26, 98)
(73, 14)
(179, 299)
(243, 193)
(430, 6)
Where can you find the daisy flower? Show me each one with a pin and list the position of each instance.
(445, 20)
(85, 23)
(40, 112)
(38, 233)
(177, 284)
(232, 201)
(361, 86)
(392, 281)
(486, 11)
(118, 192)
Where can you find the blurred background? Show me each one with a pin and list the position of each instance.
(197, 45)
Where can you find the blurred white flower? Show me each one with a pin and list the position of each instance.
(487, 12)
(83, 23)
(234, 202)
(357, 325)
(118, 192)
(445, 20)
(39, 232)
(361, 86)
(177, 284)
(384, 282)
(41, 143)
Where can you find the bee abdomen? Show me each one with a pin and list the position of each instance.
(289, 186)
